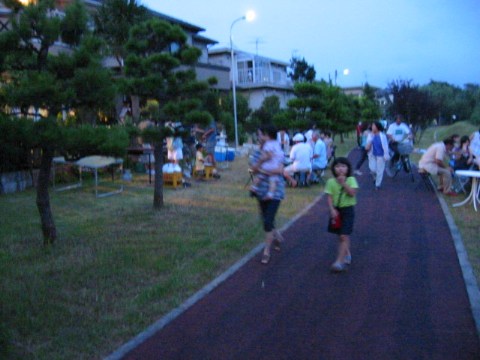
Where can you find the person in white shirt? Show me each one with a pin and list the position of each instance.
(398, 133)
(301, 157)
(433, 162)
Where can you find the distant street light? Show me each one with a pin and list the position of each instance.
(249, 16)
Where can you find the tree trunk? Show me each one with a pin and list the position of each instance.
(86, 115)
(158, 189)
(43, 198)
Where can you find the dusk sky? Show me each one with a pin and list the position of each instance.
(377, 40)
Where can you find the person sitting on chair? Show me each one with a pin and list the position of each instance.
(199, 161)
(464, 159)
(432, 161)
(301, 156)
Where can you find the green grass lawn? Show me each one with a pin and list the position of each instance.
(118, 265)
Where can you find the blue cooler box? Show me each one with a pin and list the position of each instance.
(220, 153)
(230, 154)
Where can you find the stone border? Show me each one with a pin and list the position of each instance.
(165, 320)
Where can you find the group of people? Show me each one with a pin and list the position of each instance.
(310, 154)
(269, 187)
(204, 141)
(380, 147)
(200, 142)
(463, 153)
(466, 151)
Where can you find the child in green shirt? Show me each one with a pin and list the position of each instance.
(341, 191)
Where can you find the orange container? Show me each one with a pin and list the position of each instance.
(173, 179)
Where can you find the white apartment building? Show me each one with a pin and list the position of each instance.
(257, 77)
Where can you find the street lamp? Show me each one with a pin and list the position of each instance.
(249, 16)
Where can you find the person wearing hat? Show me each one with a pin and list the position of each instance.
(301, 157)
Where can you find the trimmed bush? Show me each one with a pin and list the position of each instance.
(16, 143)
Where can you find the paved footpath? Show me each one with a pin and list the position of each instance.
(404, 296)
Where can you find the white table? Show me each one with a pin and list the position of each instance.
(475, 191)
(89, 162)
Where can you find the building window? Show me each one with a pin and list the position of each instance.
(245, 72)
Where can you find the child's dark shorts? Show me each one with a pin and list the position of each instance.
(348, 218)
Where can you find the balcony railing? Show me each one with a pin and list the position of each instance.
(262, 77)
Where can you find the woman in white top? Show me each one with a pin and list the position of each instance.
(378, 153)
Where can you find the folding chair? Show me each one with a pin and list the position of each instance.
(461, 183)
(301, 177)
(317, 176)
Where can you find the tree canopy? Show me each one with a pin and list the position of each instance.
(301, 71)
(321, 104)
(113, 22)
(159, 66)
(40, 79)
(35, 78)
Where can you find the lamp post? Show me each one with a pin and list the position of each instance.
(250, 16)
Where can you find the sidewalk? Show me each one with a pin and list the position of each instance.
(404, 296)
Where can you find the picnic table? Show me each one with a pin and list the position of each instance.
(94, 163)
(475, 190)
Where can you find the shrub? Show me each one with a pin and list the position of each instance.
(16, 143)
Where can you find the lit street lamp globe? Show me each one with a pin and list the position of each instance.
(250, 16)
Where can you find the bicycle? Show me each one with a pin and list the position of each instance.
(392, 168)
